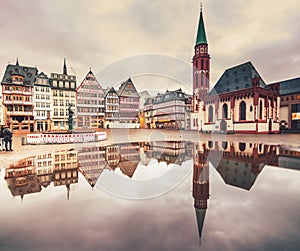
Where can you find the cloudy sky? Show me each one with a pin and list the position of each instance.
(115, 38)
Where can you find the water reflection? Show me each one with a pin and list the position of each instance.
(238, 164)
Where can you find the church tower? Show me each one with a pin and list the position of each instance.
(201, 65)
(200, 185)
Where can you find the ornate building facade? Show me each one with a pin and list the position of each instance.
(63, 93)
(90, 103)
(241, 102)
(17, 90)
(169, 110)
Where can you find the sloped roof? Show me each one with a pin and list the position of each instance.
(128, 89)
(27, 72)
(170, 95)
(90, 78)
(111, 90)
(42, 75)
(289, 86)
(237, 78)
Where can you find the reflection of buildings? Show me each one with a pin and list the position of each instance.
(28, 175)
(200, 185)
(21, 178)
(289, 158)
(125, 156)
(65, 168)
(44, 169)
(91, 162)
(169, 151)
(240, 163)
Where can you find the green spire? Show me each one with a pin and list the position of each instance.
(201, 36)
(200, 214)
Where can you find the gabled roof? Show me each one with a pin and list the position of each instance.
(128, 89)
(201, 35)
(27, 72)
(289, 86)
(42, 75)
(237, 78)
(91, 80)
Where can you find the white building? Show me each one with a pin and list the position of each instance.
(42, 103)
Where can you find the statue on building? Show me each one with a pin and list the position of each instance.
(70, 118)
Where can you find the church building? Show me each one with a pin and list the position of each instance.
(240, 102)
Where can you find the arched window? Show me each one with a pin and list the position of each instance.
(202, 65)
(196, 80)
(243, 110)
(260, 109)
(242, 146)
(210, 114)
(202, 79)
(225, 111)
(224, 145)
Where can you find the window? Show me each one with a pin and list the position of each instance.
(260, 109)
(210, 114)
(225, 111)
(224, 145)
(242, 146)
(243, 110)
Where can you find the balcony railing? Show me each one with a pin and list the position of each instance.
(19, 113)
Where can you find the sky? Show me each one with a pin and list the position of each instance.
(150, 41)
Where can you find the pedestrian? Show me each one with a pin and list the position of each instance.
(7, 135)
(2, 137)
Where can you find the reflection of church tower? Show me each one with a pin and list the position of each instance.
(200, 185)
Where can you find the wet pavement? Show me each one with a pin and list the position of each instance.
(137, 135)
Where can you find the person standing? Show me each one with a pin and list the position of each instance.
(2, 137)
(7, 135)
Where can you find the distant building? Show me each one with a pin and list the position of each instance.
(290, 103)
(111, 102)
(63, 94)
(90, 103)
(169, 110)
(42, 102)
(144, 96)
(122, 107)
(17, 91)
(148, 113)
(129, 103)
